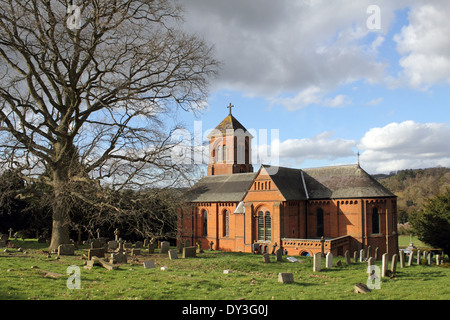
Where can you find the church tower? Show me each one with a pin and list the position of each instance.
(229, 148)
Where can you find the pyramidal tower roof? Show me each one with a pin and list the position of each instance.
(229, 123)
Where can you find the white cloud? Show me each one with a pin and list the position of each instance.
(270, 48)
(405, 145)
(425, 45)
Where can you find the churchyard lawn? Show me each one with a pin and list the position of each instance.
(37, 275)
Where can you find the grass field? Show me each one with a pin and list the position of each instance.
(22, 277)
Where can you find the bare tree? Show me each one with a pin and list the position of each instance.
(85, 89)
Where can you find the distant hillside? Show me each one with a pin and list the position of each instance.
(412, 186)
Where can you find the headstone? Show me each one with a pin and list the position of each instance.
(199, 247)
(66, 250)
(355, 256)
(149, 264)
(135, 252)
(347, 257)
(266, 258)
(180, 246)
(418, 257)
(118, 257)
(112, 245)
(285, 277)
(97, 252)
(370, 262)
(164, 247)
(410, 258)
(116, 234)
(339, 263)
(173, 254)
(145, 243)
(361, 255)
(317, 262)
(10, 230)
(402, 259)
(438, 259)
(369, 251)
(329, 260)
(139, 245)
(151, 248)
(375, 256)
(128, 245)
(95, 244)
(361, 288)
(384, 264)
(394, 264)
(211, 244)
(279, 255)
(429, 258)
(187, 243)
(189, 252)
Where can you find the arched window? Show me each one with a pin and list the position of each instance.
(319, 224)
(224, 153)
(226, 223)
(375, 221)
(264, 226)
(205, 223)
(219, 154)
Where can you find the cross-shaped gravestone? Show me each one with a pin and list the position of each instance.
(116, 234)
(10, 232)
(229, 107)
(98, 233)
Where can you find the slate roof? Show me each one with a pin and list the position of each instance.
(229, 123)
(221, 188)
(334, 182)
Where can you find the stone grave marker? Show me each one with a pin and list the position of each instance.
(361, 255)
(189, 252)
(418, 256)
(361, 288)
(317, 262)
(285, 277)
(394, 264)
(355, 256)
(402, 258)
(369, 251)
(173, 254)
(370, 262)
(410, 258)
(138, 245)
(347, 257)
(149, 264)
(279, 255)
(151, 248)
(66, 250)
(118, 257)
(375, 256)
(164, 247)
(429, 258)
(135, 252)
(438, 259)
(384, 264)
(112, 245)
(266, 258)
(96, 252)
(329, 260)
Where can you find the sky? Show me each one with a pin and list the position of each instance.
(328, 79)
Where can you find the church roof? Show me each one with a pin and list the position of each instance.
(333, 182)
(221, 188)
(229, 123)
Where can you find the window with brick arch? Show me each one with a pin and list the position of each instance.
(205, 223)
(375, 220)
(264, 226)
(226, 223)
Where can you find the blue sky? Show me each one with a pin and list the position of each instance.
(330, 85)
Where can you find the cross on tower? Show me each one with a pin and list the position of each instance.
(229, 107)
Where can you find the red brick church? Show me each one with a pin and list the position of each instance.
(303, 211)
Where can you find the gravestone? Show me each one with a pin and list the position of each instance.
(138, 245)
(164, 247)
(116, 234)
(145, 243)
(329, 260)
(128, 245)
(118, 257)
(429, 258)
(369, 251)
(361, 288)
(355, 256)
(189, 252)
(285, 277)
(211, 244)
(402, 259)
(173, 254)
(96, 252)
(418, 257)
(317, 262)
(370, 262)
(411, 255)
(347, 257)
(149, 264)
(384, 264)
(135, 252)
(266, 258)
(112, 245)
(361, 255)
(96, 244)
(66, 250)
(375, 256)
(394, 264)
(279, 255)
(180, 246)
(151, 248)
(438, 259)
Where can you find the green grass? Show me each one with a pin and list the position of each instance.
(403, 242)
(202, 278)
